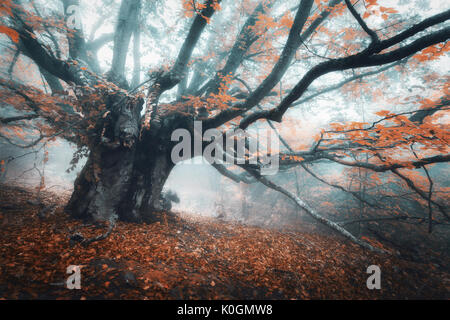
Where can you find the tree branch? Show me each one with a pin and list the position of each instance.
(243, 177)
(178, 70)
(361, 22)
(243, 42)
(280, 67)
(363, 59)
(421, 193)
(18, 118)
(39, 55)
(301, 204)
(102, 40)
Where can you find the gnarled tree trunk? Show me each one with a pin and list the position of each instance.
(126, 169)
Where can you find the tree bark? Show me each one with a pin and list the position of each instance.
(125, 171)
(120, 186)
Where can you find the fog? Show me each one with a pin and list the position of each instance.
(202, 190)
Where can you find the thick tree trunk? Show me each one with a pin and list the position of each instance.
(143, 197)
(119, 186)
(125, 172)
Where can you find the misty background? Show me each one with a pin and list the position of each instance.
(206, 193)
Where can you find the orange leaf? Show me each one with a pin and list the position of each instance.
(10, 33)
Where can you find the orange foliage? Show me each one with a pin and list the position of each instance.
(190, 259)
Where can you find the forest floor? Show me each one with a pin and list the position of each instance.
(191, 258)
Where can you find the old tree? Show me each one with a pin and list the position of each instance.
(237, 64)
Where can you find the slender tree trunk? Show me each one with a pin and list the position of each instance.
(244, 201)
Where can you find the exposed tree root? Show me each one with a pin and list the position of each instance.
(78, 237)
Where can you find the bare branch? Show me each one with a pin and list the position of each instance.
(421, 193)
(18, 118)
(243, 177)
(398, 218)
(102, 40)
(301, 204)
(344, 82)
